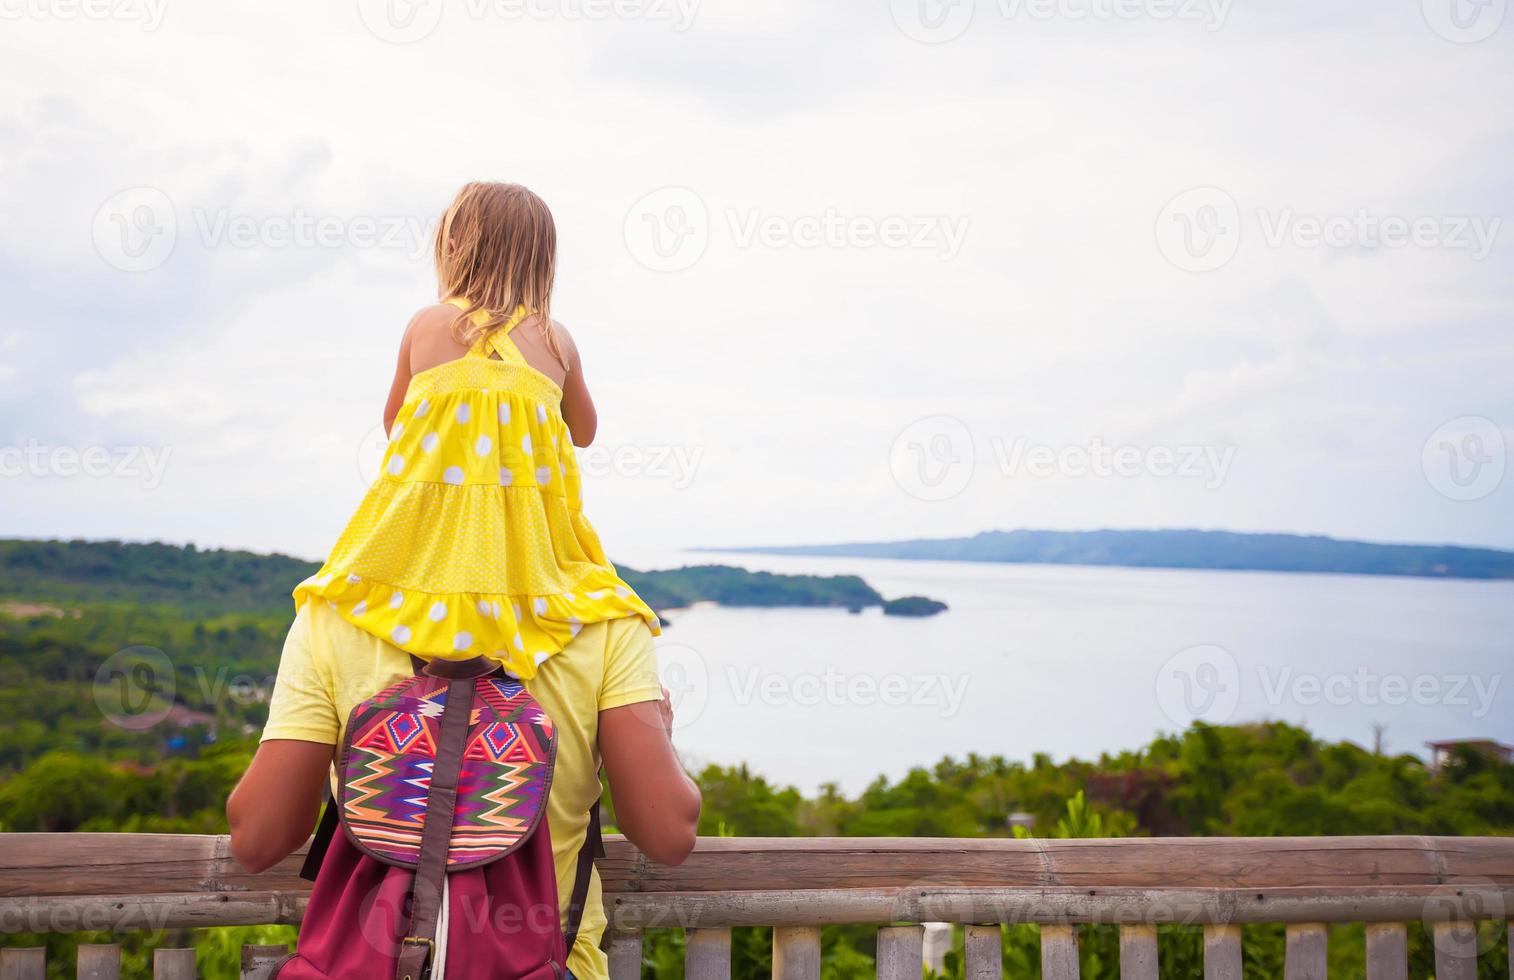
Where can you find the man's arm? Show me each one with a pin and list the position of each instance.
(274, 807)
(656, 803)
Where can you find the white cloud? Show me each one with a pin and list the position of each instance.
(791, 368)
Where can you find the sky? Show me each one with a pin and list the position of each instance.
(839, 271)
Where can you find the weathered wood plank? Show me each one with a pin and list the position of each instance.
(1387, 951)
(99, 961)
(105, 864)
(173, 964)
(1138, 952)
(182, 910)
(1032, 905)
(23, 963)
(982, 950)
(1222, 952)
(796, 953)
(258, 961)
(625, 955)
(707, 954)
(1059, 953)
(1455, 951)
(1127, 906)
(1304, 957)
(901, 951)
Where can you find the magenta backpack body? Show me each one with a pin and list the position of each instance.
(443, 850)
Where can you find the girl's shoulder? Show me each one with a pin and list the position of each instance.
(433, 319)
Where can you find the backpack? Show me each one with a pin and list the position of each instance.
(442, 786)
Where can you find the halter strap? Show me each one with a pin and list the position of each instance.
(496, 341)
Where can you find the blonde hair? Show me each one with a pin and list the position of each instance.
(496, 248)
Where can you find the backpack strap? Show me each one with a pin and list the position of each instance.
(441, 803)
(594, 847)
(324, 831)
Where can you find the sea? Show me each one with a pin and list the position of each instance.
(1075, 661)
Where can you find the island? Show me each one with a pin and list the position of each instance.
(913, 605)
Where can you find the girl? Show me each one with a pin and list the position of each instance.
(473, 541)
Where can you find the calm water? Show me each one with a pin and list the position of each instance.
(1076, 661)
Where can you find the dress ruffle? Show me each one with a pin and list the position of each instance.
(520, 631)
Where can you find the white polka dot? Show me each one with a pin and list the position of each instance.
(496, 610)
(504, 413)
(396, 465)
(483, 445)
(453, 475)
(515, 607)
(569, 596)
(519, 643)
(464, 413)
(622, 591)
(574, 628)
(430, 442)
(396, 600)
(543, 475)
(423, 408)
(360, 608)
(525, 444)
(323, 581)
(540, 657)
(399, 430)
(400, 634)
(438, 612)
(462, 641)
(483, 607)
(352, 579)
(541, 413)
(505, 476)
(540, 605)
(597, 594)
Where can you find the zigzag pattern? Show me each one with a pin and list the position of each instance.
(389, 756)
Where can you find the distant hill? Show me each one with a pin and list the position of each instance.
(150, 574)
(1181, 549)
(220, 582)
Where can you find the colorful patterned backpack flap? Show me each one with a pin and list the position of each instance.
(390, 751)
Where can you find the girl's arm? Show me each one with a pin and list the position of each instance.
(577, 406)
(401, 380)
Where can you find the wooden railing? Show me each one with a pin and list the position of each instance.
(115, 882)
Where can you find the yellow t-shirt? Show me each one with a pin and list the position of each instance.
(329, 665)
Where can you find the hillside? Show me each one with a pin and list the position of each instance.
(222, 582)
(1180, 549)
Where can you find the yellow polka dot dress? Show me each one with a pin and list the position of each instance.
(473, 540)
